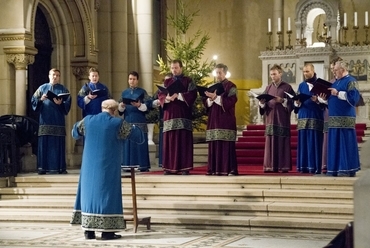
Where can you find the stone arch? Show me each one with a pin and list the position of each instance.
(72, 34)
(307, 10)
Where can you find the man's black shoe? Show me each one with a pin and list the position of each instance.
(110, 235)
(40, 172)
(185, 173)
(89, 235)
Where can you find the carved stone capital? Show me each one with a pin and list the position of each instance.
(81, 72)
(20, 61)
(20, 56)
(97, 5)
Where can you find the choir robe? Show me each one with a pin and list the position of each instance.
(98, 205)
(277, 154)
(136, 154)
(343, 156)
(51, 142)
(178, 151)
(94, 106)
(221, 132)
(310, 133)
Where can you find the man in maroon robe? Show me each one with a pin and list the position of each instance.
(221, 126)
(276, 113)
(177, 122)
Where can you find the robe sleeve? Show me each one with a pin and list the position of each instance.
(229, 99)
(131, 132)
(191, 95)
(36, 100)
(353, 95)
(78, 129)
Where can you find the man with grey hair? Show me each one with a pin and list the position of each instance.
(343, 157)
(98, 205)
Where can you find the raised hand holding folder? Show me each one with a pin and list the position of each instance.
(321, 87)
(130, 99)
(300, 97)
(267, 97)
(99, 92)
(51, 95)
(218, 87)
(175, 88)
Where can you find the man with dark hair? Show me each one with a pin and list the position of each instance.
(221, 126)
(310, 125)
(277, 112)
(133, 107)
(177, 122)
(51, 155)
(92, 94)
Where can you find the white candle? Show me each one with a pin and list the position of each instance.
(279, 24)
(345, 20)
(269, 25)
(366, 18)
(289, 24)
(297, 35)
(355, 19)
(329, 34)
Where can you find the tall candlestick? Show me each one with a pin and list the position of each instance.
(289, 29)
(355, 19)
(345, 20)
(279, 24)
(366, 18)
(269, 25)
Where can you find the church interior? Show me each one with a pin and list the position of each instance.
(121, 36)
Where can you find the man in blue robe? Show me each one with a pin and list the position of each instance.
(134, 106)
(310, 126)
(343, 157)
(92, 94)
(98, 205)
(51, 142)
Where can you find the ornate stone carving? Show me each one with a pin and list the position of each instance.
(312, 5)
(15, 37)
(81, 72)
(20, 56)
(97, 5)
(20, 61)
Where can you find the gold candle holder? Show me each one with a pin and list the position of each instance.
(366, 42)
(289, 32)
(269, 48)
(279, 47)
(344, 43)
(355, 42)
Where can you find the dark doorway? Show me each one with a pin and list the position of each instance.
(39, 70)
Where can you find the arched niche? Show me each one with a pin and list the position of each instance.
(306, 19)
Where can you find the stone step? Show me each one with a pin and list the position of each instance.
(188, 220)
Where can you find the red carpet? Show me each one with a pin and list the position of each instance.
(243, 170)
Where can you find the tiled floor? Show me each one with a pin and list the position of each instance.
(63, 235)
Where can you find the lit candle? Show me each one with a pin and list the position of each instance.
(355, 19)
(279, 24)
(345, 20)
(269, 25)
(366, 18)
(289, 24)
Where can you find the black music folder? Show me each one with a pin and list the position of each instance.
(301, 97)
(267, 97)
(321, 86)
(133, 98)
(175, 87)
(51, 95)
(218, 87)
(99, 92)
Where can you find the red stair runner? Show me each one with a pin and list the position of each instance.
(251, 145)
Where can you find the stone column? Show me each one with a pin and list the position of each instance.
(144, 17)
(20, 57)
